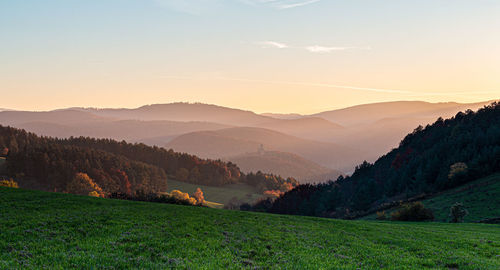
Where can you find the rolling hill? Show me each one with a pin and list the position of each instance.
(225, 143)
(428, 161)
(286, 165)
(367, 131)
(283, 115)
(149, 132)
(370, 113)
(103, 233)
(185, 112)
(481, 198)
(312, 128)
(61, 117)
(114, 167)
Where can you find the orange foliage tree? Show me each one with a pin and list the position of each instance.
(181, 196)
(9, 183)
(82, 184)
(198, 195)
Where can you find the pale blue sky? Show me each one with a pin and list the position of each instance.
(264, 55)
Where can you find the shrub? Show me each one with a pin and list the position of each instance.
(198, 196)
(381, 216)
(458, 212)
(9, 183)
(174, 197)
(94, 194)
(458, 171)
(82, 184)
(181, 196)
(245, 207)
(413, 212)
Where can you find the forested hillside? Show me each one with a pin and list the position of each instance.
(42, 163)
(51, 164)
(438, 157)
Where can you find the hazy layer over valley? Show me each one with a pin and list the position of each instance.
(307, 147)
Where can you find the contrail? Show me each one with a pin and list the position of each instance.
(338, 86)
(294, 83)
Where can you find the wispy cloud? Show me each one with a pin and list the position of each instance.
(309, 84)
(197, 7)
(407, 93)
(312, 49)
(294, 4)
(323, 49)
(280, 4)
(272, 44)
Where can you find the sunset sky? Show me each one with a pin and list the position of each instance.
(300, 56)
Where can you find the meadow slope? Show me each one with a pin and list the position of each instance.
(481, 198)
(56, 231)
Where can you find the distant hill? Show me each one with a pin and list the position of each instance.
(236, 141)
(367, 131)
(430, 160)
(370, 113)
(283, 115)
(61, 117)
(313, 128)
(377, 128)
(286, 165)
(149, 132)
(51, 164)
(185, 112)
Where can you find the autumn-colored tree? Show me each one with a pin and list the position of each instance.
(125, 186)
(9, 183)
(198, 195)
(82, 184)
(457, 170)
(181, 196)
(273, 193)
(94, 194)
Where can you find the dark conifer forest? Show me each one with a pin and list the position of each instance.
(440, 156)
(116, 167)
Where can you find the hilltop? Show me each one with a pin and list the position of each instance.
(286, 165)
(185, 112)
(225, 143)
(365, 131)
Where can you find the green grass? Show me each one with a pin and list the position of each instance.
(222, 195)
(482, 201)
(60, 231)
(481, 198)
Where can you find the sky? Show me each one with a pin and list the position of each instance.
(300, 56)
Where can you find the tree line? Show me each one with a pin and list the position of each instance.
(440, 156)
(115, 167)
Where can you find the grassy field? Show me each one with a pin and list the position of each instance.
(222, 195)
(60, 231)
(481, 198)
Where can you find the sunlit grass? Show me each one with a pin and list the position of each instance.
(222, 195)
